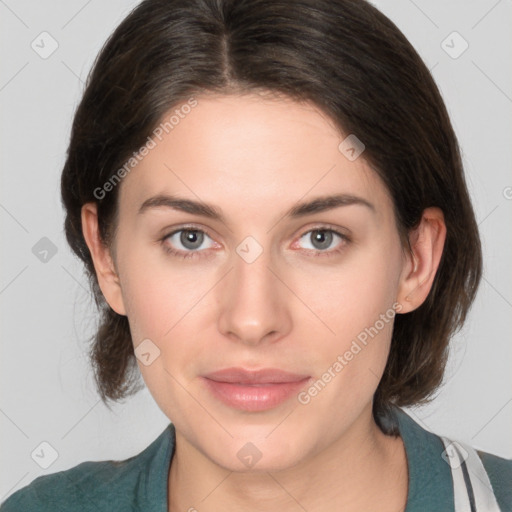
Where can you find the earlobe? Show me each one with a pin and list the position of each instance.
(421, 263)
(104, 266)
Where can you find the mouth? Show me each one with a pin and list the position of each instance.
(254, 391)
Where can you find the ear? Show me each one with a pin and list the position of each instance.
(104, 266)
(420, 267)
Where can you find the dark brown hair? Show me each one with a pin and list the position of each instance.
(345, 57)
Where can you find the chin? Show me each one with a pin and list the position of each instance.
(257, 454)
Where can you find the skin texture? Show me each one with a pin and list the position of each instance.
(295, 307)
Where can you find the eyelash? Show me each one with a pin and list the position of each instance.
(193, 254)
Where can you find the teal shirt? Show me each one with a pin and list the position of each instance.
(140, 482)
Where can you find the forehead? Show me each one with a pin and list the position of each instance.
(245, 151)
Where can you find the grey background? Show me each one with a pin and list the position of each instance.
(47, 314)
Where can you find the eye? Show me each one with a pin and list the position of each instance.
(186, 241)
(322, 238)
(189, 242)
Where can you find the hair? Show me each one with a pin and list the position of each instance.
(343, 56)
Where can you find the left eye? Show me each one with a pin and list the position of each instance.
(321, 239)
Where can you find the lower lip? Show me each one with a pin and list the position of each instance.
(254, 398)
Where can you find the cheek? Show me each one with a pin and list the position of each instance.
(158, 292)
(165, 304)
(352, 296)
(356, 303)
(169, 304)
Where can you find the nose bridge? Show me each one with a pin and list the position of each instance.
(251, 300)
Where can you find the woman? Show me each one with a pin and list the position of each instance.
(269, 201)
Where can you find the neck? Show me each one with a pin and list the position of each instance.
(364, 470)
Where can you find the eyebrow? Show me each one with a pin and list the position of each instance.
(317, 205)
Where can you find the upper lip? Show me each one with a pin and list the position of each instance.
(265, 375)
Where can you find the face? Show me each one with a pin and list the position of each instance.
(263, 283)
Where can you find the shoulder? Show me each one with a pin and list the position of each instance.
(94, 486)
(83, 487)
(57, 491)
(499, 471)
(442, 467)
(489, 476)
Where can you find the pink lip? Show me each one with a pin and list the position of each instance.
(254, 390)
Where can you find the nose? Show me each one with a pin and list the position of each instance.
(253, 302)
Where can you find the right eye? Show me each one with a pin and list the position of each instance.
(190, 240)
